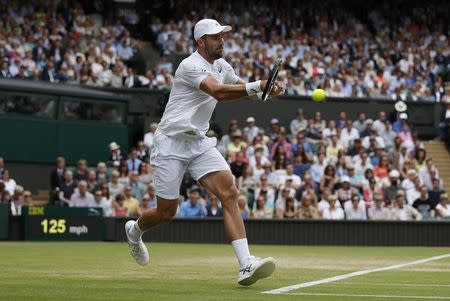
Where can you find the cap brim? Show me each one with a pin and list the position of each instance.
(219, 29)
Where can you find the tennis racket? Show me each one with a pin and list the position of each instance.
(272, 78)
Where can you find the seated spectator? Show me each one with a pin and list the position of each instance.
(318, 168)
(243, 206)
(402, 211)
(355, 211)
(246, 184)
(378, 211)
(131, 203)
(236, 145)
(344, 194)
(9, 184)
(265, 189)
(145, 173)
(381, 171)
(114, 186)
(298, 123)
(238, 164)
(213, 208)
(100, 202)
(124, 174)
(192, 207)
(356, 180)
(435, 193)
(81, 172)
(142, 152)
(145, 203)
(57, 174)
(148, 137)
(296, 180)
(119, 208)
(291, 208)
(424, 204)
(133, 162)
(427, 173)
(67, 189)
(261, 210)
(333, 149)
(137, 188)
(333, 212)
(443, 208)
(152, 195)
(116, 155)
(280, 203)
(91, 181)
(102, 174)
(307, 209)
(390, 192)
(329, 179)
(81, 197)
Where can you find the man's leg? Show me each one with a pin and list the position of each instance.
(221, 184)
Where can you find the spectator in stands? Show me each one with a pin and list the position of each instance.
(360, 123)
(102, 174)
(192, 207)
(251, 129)
(91, 181)
(124, 173)
(377, 211)
(243, 206)
(100, 202)
(268, 192)
(238, 164)
(116, 155)
(27, 198)
(81, 197)
(390, 192)
(299, 123)
(334, 211)
(148, 137)
(355, 211)
(280, 203)
(307, 209)
(145, 173)
(428, 173)
(213, 208)
(443, 208)
(403, 211)
(236, 145)
(137, 188)
(114, 186)
(424, 204)
(67, 189)
(142, 152)
(9, 184)
(151, 196)
(260, 209)
(119, 208)
(131, 202)
(435, 193)
(81, 173)
(329, 179)
(348, 134)
(133, 162)
(57, 174)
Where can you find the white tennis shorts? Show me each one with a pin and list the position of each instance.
(172, 156)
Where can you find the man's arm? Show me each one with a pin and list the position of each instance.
(227, 92)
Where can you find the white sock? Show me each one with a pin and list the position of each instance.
(241, 249)
(136, 232)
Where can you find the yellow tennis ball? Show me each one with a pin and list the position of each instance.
(318, 95)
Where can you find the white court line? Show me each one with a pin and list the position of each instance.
(287, 289)
(396, 284)
(370, 296)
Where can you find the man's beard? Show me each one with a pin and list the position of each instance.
(215, 54)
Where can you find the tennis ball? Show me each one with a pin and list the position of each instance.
(318, 95)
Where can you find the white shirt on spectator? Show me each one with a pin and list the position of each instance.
(76, 200)
(104, 204)
(10, 186)
(358, 214)
(189, 108)
(444, 211)
(336, 214)
(347, 136)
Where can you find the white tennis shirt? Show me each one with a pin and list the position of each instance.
(189, 108)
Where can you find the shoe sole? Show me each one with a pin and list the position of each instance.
(263, 271)
(127, 227)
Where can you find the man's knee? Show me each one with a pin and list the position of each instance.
(229, 196)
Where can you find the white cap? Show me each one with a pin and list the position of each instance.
(403, 116)
(209, 26)
(394, 173)
(345, 179)
(250, 119)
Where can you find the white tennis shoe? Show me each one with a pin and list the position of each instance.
(137, 249)
(255, 269)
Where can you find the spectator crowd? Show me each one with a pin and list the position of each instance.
(314, 169)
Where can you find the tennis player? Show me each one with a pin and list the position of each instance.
(180, 145)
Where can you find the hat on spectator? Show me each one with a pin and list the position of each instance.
(194, 188)
(267, 164)
(209, 26)
(274, 121)
(403, 116)
(250, 119)
(258, 146)
(113, 146)
(345, 179)
(369, 121)
(300, 111)
(394, 173)
(350, 166)
(288, 178)
(400, 193)
(237, 133)
(146, 196)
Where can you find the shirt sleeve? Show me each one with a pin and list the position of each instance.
(230, 75)
(192, 75)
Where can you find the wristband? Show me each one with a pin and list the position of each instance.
(253, 87)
